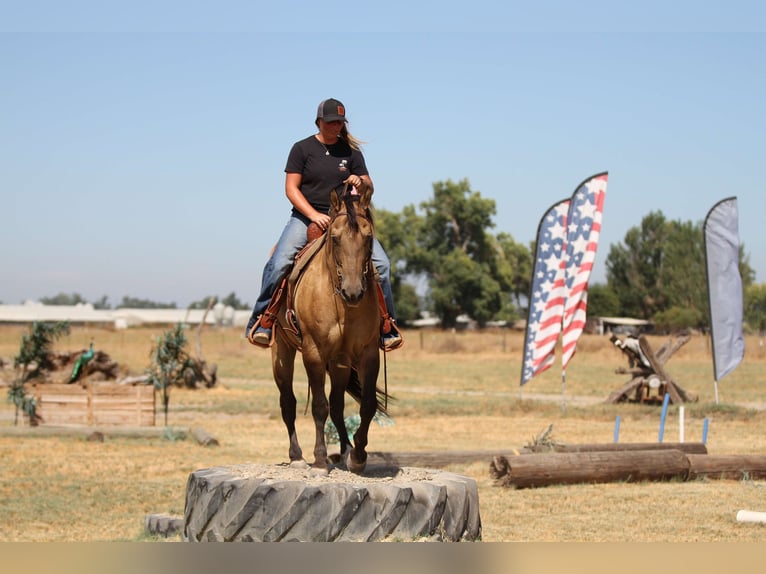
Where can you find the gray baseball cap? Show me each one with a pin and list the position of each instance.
(331, 110)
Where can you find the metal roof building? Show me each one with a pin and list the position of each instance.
(84, 313)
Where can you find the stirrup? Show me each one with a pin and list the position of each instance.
(391, 339)
(258, 341)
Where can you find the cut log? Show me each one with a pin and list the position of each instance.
(441, 459)
(687, 447)
(203, 437)
(84, 431)
(530, 470)
(727, 466)
(625, 392)
(270, 503)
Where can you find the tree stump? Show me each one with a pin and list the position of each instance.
(271, 503)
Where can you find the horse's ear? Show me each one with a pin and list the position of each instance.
(334, 202)
(364, 200)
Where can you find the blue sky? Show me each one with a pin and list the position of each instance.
(142, 153)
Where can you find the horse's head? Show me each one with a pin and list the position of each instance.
(350, 244)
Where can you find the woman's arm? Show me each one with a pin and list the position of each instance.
(299, 201)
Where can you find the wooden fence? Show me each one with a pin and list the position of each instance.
(95, 404)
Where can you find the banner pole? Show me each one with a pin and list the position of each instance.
(563, 390)
(715, 386)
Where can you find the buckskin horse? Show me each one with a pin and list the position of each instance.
(332, 316)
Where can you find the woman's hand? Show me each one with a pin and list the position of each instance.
(321, 219)
(356, 181)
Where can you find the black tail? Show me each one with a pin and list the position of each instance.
(354, 389)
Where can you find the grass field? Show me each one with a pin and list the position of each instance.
(453, 391)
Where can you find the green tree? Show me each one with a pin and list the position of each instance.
(102, 303)
(170, 363)
(683, 275)
(517, 264)
(634, 268)
(755, 307)
(233, 301)
(203, 303)
(462, 261)
(63, 299)
(136, 303)
(33, 360)
(659, 272)
(602, 301)
(397, 233)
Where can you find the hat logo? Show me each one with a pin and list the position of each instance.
(341, 111)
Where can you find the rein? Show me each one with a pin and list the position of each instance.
(347, 196)
(338, 270)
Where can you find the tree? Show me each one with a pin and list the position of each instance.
(634, 269)
(203, 303)
(233, 301)
(602, 301)
(33, 360)
(755, 307)
(518, 264)
(659, 272)
(683, 275)
(170, 363)
(102, 303)
(460, 258)
(136, 303)
(63, 299)
(397, 233)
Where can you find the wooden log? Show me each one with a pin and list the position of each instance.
(622, 394)
(442, 459)
(531, 470)
(727, 466)
(203, 437)
(84, 431)
(687, 447)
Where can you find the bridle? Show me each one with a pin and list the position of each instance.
(337, 275)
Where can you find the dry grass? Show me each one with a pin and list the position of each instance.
(453, 391)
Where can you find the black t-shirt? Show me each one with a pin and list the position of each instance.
(323, 168)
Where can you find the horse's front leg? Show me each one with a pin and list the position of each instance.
(282, 366)
(339, 377)
(368, 376)
(315, 370)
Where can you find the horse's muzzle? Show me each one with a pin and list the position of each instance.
(352, 297)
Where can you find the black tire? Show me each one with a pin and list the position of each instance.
(279, 503)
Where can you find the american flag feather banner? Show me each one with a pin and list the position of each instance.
(586, 210)
(547, 293)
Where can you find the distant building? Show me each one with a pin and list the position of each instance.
(617, 325)
(85, 314)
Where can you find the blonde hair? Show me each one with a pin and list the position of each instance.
(355, 143)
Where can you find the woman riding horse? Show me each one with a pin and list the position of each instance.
(335, 306)
(316, 165)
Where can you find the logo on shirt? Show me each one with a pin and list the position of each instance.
(343, 165)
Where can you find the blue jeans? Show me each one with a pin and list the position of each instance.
(292, 240)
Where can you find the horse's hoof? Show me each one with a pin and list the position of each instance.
(352, 465)
(299, 464)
